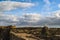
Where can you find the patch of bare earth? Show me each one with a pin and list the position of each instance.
(25, 36)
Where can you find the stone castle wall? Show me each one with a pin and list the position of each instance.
(5, 32)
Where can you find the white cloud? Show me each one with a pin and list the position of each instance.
(22, 20)
(56, 13)
(32, 17)
(8, 17)
(58, 5)
(10, 5)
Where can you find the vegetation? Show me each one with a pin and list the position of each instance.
(34, 32)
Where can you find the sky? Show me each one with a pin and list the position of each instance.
(29, 12)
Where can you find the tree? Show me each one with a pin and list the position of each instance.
(44, 31)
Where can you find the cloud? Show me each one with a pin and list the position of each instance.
(54, 18)
(8, 19)
(30, 19)
(56, 14)
(58, 5)
(10, 5)
(25, 19)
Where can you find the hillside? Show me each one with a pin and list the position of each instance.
(29, 33)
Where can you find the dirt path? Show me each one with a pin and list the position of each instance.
(25, 36)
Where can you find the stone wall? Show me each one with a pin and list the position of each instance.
(5, 32)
